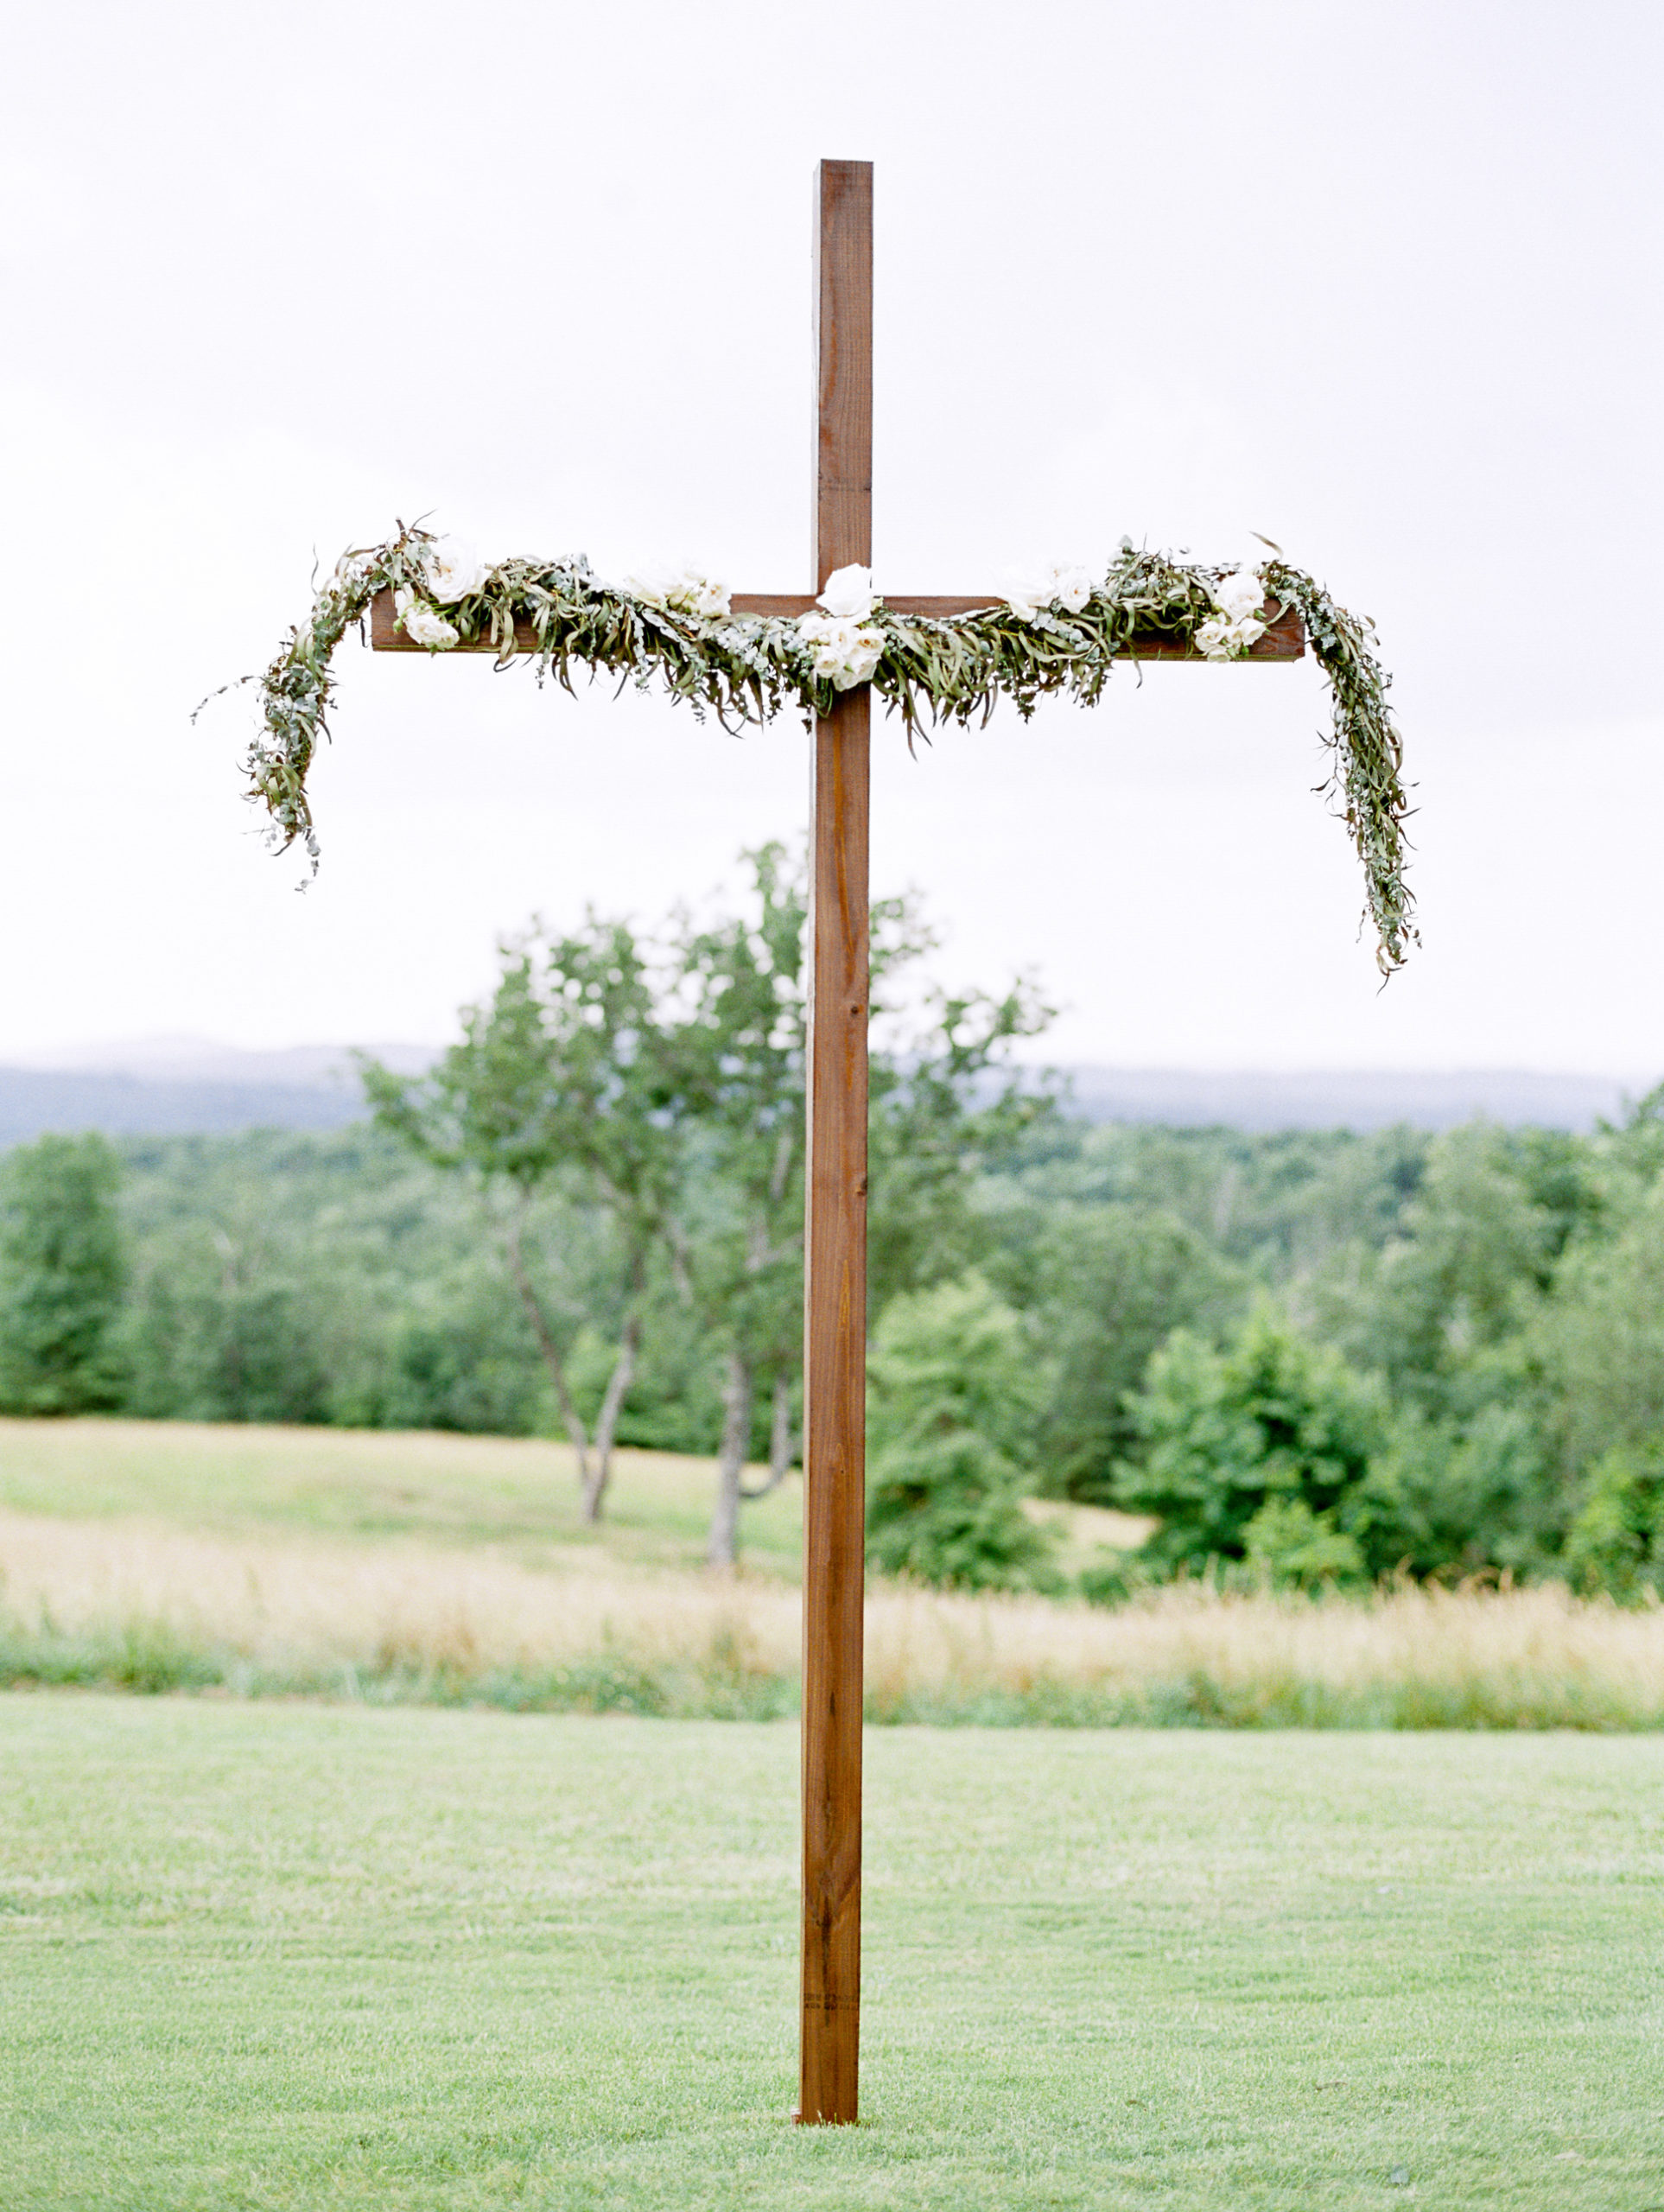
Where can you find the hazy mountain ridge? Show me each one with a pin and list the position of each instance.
(175, 1086)
(1329, 1099)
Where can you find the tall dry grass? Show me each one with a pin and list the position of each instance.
(161, 1608)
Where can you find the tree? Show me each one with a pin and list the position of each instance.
(1259, 1453)
(1600, 1338)
(741, 1056)
(1109, 1287)
(954, 1394)
(562, 1083)
(1616, 1541)
(741, 1046)
(1478, 1250)
(63, 1269)
(1465, 1496)
(265, 1287)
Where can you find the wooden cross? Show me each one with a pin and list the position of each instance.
(835, 1253)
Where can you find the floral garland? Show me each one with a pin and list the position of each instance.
(1059, 631)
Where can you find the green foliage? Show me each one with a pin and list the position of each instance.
(1464, 1495)
(1617, 1541)
(1493, 1299)
(562, 1084)
(468, 1368)
(1460, 1496)
(1366, 778)
(563, 1073)
(653, 1085)
(1259, 1453)
(1109, 1288)
(954, 1400)
(747, 668)
(739, 1047)
(1600, 1337)
(675, 1400)
(1475, 1249)
(1282, 1203)
(63, 1270)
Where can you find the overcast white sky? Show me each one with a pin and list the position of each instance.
(1379, 281)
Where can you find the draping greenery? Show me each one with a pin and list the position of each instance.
(747, 668)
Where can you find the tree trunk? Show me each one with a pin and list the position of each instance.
(780, 1434)
(723, 1549)
(556, 1366)
(607, 1420)
(780, 1441)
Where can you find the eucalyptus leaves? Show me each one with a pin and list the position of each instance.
(1059, 632)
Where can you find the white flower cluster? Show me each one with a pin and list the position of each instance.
(686, 590)
(451, 570)
(1061, 583)
(423, 625)
(1239, 598)
(845, 646)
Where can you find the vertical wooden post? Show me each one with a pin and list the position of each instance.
(835, 1320)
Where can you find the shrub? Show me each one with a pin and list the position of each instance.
(1258, 1454)
(1617, 1541)
(1470, 1495)
(1113, 1284)
(63, 1270)
(954, 1394)
(468, 1369)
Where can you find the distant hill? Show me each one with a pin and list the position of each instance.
(34, 1100)
(176, 1086)
(1345, 1099)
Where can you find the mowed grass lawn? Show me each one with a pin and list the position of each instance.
(292, 1955)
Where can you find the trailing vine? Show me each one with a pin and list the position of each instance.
(1058, 637)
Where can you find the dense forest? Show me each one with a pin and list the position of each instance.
(1310, 1358)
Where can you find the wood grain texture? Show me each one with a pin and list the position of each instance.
(835, 1331)
(842, 517)
(834, 1415)
(1284, 640)
(835, 1285)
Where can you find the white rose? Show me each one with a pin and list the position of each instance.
(422, 626)
(845, 652)
(1027, 596)
(684, 590)
(707, 598)
(849, 594)
(1239, 595)
(861, 657)
(651, 586)
(1072, 586)
(1213, 637)
(1246, 630)
(1065, 583)
(691, 592)
(452, 571)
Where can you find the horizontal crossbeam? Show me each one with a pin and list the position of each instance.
(1285, 639)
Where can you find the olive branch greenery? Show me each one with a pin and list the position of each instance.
(747, 668)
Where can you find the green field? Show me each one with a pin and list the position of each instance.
(294, 1956)
(518, 1495)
